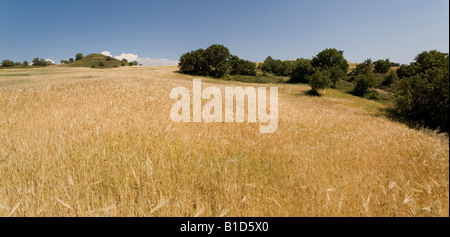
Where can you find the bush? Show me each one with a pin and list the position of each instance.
(301, 71)
(372, 95)
(390, 79)
(423, 91)
(101, 64)
(7, 63)
(25, 63)
(108, 58)
(363, 83)
(93, 65)
(71, 60)
(319, 80)
(78, 56)
(382, 66)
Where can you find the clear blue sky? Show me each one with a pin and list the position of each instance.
(253, 30)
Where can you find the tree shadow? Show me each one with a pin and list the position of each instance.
(312, 93)
(392, 114)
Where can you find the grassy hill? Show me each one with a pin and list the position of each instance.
(96, 60)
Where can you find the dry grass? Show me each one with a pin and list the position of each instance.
(89, 142)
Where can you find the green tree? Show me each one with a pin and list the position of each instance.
(329, 58)
(242, 67)
(319, 80)
(7, 63)
(336, 74)
(194, 62)
(277, 67)
(423, 91)
(25, 63)
(35, 61)
(382, 66)
(78, 56)
(362, 69)
(215, 61)
(363, 83)
(40, 62)
(71, 60)
(217, 57)
(301, 70)
(268, 65)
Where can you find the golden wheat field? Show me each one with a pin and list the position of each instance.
(100, 142)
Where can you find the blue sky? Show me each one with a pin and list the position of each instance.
(159, 32)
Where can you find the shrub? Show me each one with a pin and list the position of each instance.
(363, 83)
(108, 58)
(372, 95)
(71, 60)
(390, 79)
(319, 80)
(382, 66)
(25, 63)
(101, 64)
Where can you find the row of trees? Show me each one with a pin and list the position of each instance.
(215, 61)
(36, 62)
(421, 89)
(40, 62)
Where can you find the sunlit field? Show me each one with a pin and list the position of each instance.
(100, 142)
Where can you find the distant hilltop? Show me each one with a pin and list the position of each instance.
(96, 60)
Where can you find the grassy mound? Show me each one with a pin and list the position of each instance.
(96, 60)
